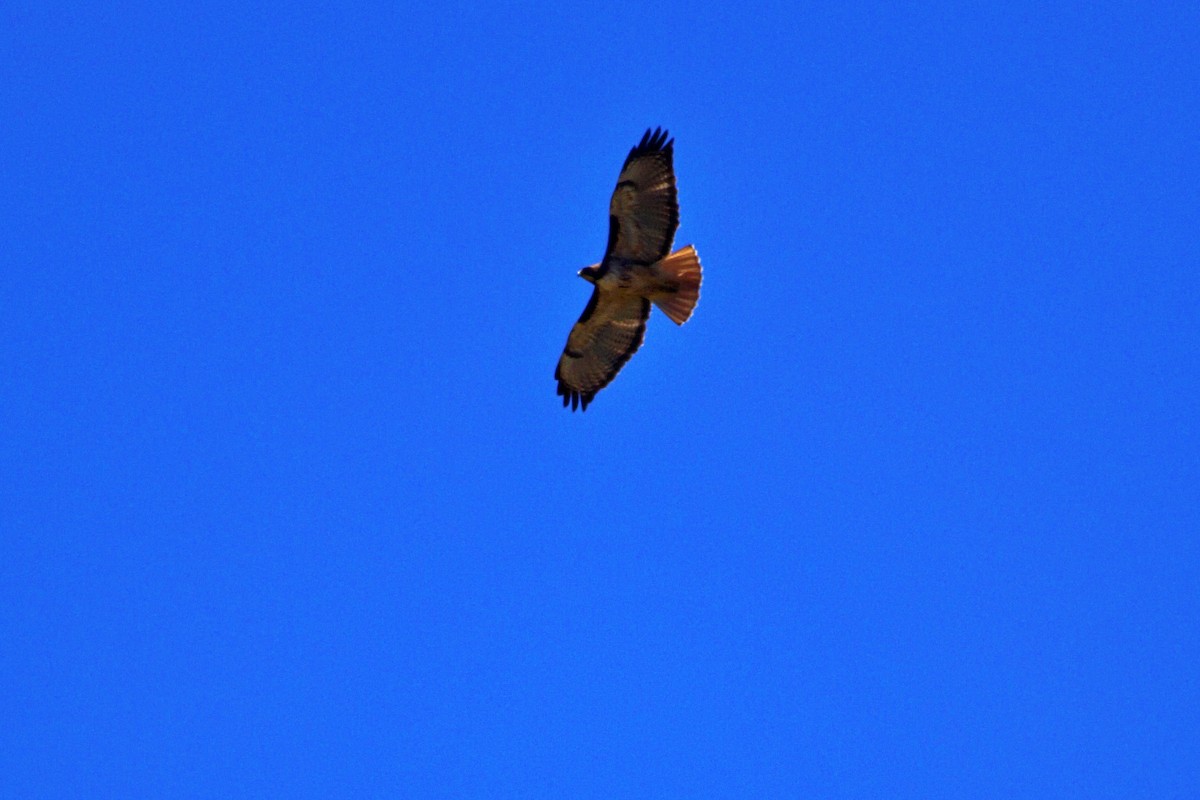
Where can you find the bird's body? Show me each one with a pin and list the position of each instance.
(638, 269)
(619, 275)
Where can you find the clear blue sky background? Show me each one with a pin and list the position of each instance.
(289, 507)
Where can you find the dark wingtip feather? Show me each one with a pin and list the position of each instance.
(653, 141)
(574, 399)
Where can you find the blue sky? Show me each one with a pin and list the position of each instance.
(289, 507)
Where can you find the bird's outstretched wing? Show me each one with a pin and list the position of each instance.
(643, 214)
(610, 330)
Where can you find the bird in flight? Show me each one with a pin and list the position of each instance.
(638, 269)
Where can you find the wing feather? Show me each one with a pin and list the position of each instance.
(644, 209)
(608, 333)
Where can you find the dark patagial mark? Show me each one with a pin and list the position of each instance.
(614, 230)
(590, 308)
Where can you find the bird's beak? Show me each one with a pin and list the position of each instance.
(589, 273)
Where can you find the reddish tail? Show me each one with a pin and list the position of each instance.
(680, 273)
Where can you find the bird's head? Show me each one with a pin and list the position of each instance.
(590, 274)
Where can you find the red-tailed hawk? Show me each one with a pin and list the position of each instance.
(638, 269)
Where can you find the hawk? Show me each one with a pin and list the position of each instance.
(638, 269)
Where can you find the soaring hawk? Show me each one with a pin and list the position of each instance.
(638, 269)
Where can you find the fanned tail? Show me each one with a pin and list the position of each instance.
(681, 274)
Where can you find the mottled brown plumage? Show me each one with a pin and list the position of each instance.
(638, 269)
